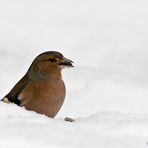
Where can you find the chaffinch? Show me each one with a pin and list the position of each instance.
(42, 89)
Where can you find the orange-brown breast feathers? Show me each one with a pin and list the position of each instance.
(45, 97)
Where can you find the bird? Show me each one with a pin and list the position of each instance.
(42, 88)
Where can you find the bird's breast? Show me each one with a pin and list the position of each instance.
(45, 97)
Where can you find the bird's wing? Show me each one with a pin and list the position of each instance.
(12, 96)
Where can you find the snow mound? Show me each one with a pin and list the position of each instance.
(22, 128)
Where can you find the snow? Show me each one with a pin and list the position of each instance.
(103, 129)
(107, 90)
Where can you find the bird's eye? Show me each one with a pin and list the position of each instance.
(52, 60)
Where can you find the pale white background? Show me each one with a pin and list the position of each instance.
(107, 91)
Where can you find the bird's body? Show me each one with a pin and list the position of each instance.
(51, 91)
(41, 89)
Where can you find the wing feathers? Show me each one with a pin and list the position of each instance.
(12, 96)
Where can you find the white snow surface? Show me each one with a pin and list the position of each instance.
(107, 91)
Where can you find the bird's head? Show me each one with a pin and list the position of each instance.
(49, 63)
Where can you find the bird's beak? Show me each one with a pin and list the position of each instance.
(66, 62)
